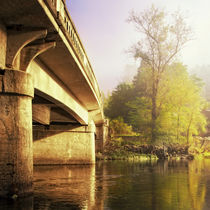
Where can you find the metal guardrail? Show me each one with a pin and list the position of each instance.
(61, 13)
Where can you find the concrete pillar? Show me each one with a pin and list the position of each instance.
(102, 135)
(64, 144)
(16, 152)
(3, 45)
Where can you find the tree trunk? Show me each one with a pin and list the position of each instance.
(177, 130)
(154, 112)
(188, 128)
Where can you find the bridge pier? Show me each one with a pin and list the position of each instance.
(16, 152)
(102, 135)
(66, 90)
(64, 144)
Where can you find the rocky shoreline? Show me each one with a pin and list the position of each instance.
(120, 149)
(162, 152)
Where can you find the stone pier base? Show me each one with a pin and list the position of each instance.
(64, 145)
(102, 135)
(16, 153)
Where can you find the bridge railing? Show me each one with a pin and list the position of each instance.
(62, 15)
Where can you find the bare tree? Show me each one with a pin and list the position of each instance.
(163, 36)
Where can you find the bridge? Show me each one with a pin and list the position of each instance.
(51, 109)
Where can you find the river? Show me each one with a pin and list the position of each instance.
(123, 185)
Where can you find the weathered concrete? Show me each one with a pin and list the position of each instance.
(36, 22)
(31, 51)
(16, 41)
(41, 113)
(102, 135)
(64, 145)
(3, 42)
(53, 89)
(16, 153)
(65, 89)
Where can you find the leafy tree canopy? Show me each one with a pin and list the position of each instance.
(164, 102)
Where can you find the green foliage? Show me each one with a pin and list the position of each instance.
(140, 115)
(203, 72)
(119, 127)
(179, 106)
(116, 103)
(163, 37)
(164, 102)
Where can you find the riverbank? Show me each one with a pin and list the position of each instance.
(117, 149)
(121, 149)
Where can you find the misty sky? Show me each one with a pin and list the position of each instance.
(106, 35)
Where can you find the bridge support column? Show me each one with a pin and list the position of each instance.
(64, 144)
(16, 152)
(102, 135)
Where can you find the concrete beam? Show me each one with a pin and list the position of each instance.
(97, 116)
(41, 113)
(90, 95)
(51, 88)
(17, 40)
(58, 115)
(29, 52)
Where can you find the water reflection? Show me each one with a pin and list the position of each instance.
(164, 185)
(120, 185)
(64, 187)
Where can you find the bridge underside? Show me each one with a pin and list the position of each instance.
(61, 57)
(50, 92)
(50, 105)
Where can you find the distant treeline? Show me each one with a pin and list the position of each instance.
(179, 106)
(163, 102)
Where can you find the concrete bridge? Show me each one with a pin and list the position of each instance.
(50, 104)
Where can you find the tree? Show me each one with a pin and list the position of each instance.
(203, 72)
(140, 117)
(116, 106)
(179, 105)
(162, 41)
(140, 106)
(119, 127)
(182, 101)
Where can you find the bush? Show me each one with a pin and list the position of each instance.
(119, 127)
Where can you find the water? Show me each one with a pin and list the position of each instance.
(160, 185)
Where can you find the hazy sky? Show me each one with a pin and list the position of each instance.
(106, 35)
